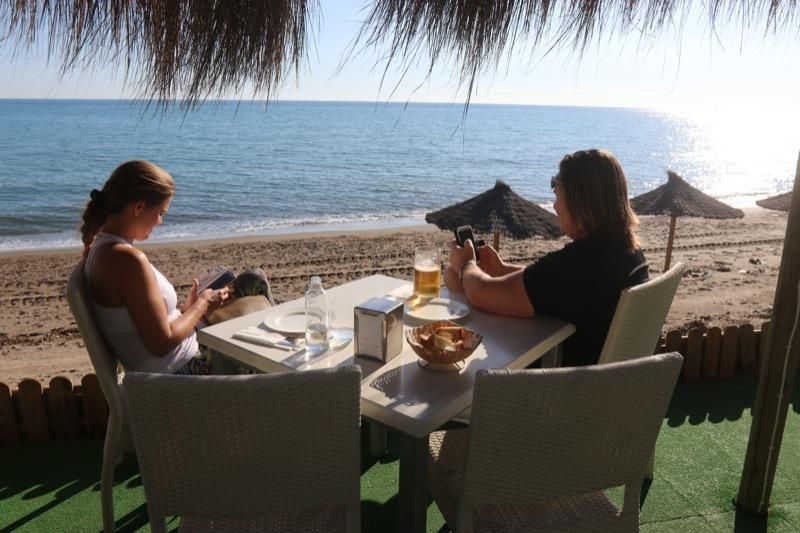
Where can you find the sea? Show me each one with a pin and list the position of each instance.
(254, 167)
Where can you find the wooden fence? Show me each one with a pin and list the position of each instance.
(63, 412)
(714, 353)
(58, 412)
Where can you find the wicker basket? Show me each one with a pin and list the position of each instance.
(439, 356)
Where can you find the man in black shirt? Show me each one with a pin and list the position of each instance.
(580, 283)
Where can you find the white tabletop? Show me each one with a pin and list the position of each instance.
(399, 394)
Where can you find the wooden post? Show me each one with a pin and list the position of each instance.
(497, 240)
(9, 433)
(694, 356)
(730, 349)
(63, 413)
(747, 349)
(669, 242)
(33, 413)
(95, 408)
(711, 353)
(777, 373)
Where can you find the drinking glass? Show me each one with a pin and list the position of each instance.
(427, 272)
(338, 336)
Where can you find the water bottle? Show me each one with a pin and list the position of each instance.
(316, 317)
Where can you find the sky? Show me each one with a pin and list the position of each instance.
(693, 67)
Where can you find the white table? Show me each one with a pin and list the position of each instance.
(401, 394)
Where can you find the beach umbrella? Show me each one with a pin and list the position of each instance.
(677, 198)
(780, 202)
(500, 211)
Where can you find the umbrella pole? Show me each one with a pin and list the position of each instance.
(669, 243)
(497, 240)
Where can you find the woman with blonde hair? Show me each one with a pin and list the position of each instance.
(580, 283)
(135, 306)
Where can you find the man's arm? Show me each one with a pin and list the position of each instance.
(502, 295)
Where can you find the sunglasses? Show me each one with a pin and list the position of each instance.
(554, 181)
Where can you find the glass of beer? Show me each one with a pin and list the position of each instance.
(427, 272)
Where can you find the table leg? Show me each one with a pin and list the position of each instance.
(412, 503)
(377, 439)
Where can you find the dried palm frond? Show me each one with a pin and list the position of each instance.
(169, 49)
(474, 34)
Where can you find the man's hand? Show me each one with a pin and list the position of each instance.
(460, 255)
(452, 279)
(491, 263)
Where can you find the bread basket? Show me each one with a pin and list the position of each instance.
(442, 356)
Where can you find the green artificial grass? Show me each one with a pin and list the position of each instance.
(55, 486)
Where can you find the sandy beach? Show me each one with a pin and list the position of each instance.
(732, 268)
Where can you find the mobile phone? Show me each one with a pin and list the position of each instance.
(464, 234)
(216, 279)
(223, 280)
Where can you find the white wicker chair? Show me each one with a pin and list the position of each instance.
(637, 323)
(639, 318)
(265, 452)
(109, 374)
(545, 443)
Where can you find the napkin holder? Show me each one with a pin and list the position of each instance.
(378, 328)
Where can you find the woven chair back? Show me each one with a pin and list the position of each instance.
(249, 447)
(639, 318)
(539, 435)
(109, 374)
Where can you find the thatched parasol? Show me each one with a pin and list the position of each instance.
(498, 210)
(169, 50)
(780, 202)
(677, 198)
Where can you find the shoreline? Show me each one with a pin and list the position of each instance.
(312, 232)
(730, 279)
(744, 202)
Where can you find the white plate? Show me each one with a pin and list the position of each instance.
(290, 323)
(438, 309)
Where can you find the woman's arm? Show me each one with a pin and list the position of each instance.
(140, 294)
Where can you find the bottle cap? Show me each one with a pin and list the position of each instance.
(316, 280)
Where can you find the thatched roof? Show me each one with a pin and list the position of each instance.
(176, 49)
(499, 210)
(679, 199)
(780, 202)
(474, 34)
(196, 49)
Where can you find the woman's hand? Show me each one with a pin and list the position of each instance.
(214, 299)
(192, 298)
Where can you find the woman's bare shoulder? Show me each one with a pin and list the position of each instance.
(123, 259)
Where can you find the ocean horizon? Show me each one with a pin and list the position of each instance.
(248, 168)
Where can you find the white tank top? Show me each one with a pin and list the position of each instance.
(117, 327)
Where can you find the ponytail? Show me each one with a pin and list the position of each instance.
(94, 216)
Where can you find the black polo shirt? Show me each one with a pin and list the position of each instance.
(581, 283)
